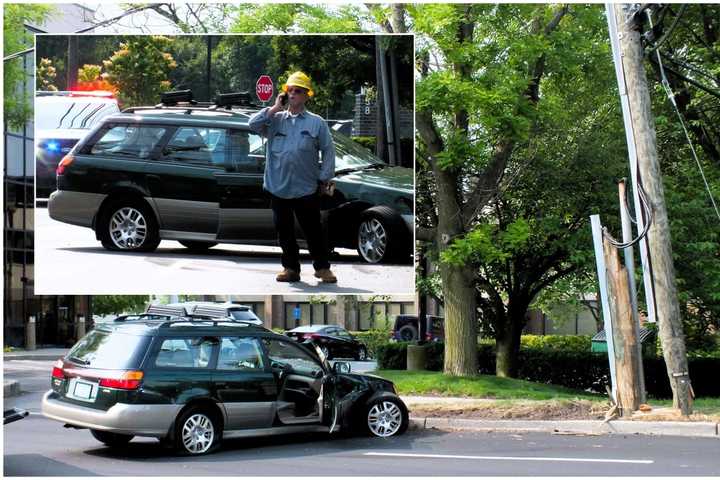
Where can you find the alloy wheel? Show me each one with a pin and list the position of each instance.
(128, 228)
(372, 240)
(198, 433)
(384, 419)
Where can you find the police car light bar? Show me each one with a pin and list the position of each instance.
(235, 98)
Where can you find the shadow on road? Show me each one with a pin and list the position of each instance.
(34, 465)
(267, 448)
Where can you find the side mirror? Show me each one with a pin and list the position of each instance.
(341, 367)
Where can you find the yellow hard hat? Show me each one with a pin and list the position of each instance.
(299, 79)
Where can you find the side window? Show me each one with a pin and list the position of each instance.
(185, 352)
(128, 140)
(246, 152)
(341, 332)
(287, 353)
(240, 353)
(330, 331)
(197, 146)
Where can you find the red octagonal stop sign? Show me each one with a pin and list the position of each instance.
(264, 88)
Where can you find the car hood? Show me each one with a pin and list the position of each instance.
(390, 178)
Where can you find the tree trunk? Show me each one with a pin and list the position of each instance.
(460, 322)
(507, 340)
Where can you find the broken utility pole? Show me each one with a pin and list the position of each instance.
(642, 130)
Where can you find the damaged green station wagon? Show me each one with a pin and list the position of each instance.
(194, 173)
(192, 382)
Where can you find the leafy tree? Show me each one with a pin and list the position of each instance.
(16, 38)
(118, 304)
(140, 69)
(298, 17)
(46, 75)
(89, 73)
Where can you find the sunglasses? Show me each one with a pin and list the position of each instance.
(296, 90)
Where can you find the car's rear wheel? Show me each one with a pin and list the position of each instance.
(381, 235)
(111, 439)
(197, 431)
(196, 245)
(386, 417)
(128, 225)
(326, 351)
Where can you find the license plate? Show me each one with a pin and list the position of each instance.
(83, 390)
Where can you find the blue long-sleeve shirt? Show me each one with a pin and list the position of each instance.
(292, 165)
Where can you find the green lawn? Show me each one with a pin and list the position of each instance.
(482, 386)
(706, 405)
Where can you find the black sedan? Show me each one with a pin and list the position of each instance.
(334, 341)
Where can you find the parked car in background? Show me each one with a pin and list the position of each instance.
(230, 310)
(14, 414)
(61, 120)
(407, 329)
(192, 383)
(194, 173)
(334, 341)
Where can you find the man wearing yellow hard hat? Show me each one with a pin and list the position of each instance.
(295, 176)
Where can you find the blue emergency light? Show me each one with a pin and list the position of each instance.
(53, 146)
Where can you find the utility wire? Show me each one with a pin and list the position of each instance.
(671, 97)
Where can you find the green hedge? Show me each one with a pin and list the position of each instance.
(582, 370)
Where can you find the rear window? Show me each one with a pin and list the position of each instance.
(109, 350)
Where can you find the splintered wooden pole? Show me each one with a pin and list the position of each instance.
(625, 340)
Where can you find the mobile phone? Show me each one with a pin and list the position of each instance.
(283, 98)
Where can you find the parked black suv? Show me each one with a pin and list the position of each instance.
(192, 383)
(407, 329)
(194, 173)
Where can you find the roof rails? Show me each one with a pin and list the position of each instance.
(183, 100)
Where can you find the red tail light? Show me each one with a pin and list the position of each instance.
(57, 371)
(311, 335)
(64, 163)
(125, 381)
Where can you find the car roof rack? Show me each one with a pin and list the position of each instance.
(183, 100)
(175, 311)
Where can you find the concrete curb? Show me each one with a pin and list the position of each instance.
(11, 388)
(587, 427)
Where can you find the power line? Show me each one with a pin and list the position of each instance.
(671, 97)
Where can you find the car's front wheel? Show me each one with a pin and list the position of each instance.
(111, 439)
(386, 417)
(361, 354)
(381, 235)
(197, 431)
(128, 225)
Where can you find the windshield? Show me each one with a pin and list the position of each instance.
(69, 112)
(348, 154)
(108, 350)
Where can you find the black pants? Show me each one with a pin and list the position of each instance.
(307, 211)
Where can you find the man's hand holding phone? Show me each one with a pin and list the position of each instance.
(280, 102)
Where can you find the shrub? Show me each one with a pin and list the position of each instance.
(372, 338)
(582, 370)
(566, 343)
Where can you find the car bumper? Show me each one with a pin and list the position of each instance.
(141, 420)
(77, 208)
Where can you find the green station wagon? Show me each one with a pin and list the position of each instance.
(194, 173)
(191, 383)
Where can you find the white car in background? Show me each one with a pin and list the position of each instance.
(61, 119)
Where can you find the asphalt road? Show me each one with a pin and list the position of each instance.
(70, 261)
(41, 447)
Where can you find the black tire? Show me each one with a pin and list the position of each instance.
(396, 242)
(361, 355)
(152, 235)
(196, 245)
(183, 418)
(404, 416)
(111, 439)
(407, 333)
